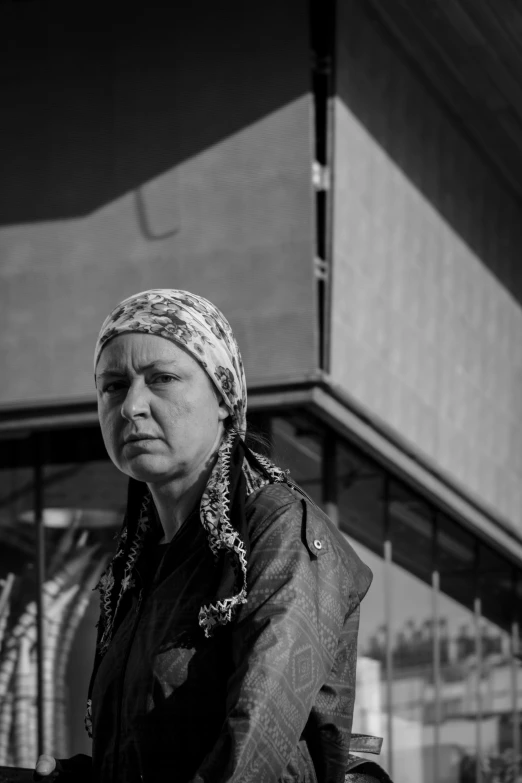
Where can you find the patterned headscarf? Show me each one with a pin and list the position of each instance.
(195, 324)
(203, 331)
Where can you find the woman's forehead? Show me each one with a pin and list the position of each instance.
(138, 350)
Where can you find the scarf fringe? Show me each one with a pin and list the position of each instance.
(215, 518)
(107, 582)
(222, 612)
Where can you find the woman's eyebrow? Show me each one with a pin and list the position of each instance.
(110, 371)
(116, 371)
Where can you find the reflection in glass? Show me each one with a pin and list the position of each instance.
(460, 724)
(360, 498)
(454, 717)
(412, 655)
(411, 532)
(444, 617)
(369, 714)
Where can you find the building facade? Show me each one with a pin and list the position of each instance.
(345, 190)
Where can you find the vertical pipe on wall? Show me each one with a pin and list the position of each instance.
(322, 42)
(40, 579)
(329, 206)
(388, 578)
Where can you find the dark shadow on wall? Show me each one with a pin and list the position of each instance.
(97, 100)
(386, 92)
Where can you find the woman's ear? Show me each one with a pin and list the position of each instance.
(223, 412)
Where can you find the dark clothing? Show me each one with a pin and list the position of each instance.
(269, 697)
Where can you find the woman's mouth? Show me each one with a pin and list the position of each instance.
(138, 440)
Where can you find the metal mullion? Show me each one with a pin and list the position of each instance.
(477, 612)
(388, 581)
(40, 580)
(515, 652)
(435, 576)
(515, 644)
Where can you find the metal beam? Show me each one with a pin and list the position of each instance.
(348, 418)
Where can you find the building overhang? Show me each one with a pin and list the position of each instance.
(336, 409)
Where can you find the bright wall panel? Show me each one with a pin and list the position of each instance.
(169, 147)
(427, 281)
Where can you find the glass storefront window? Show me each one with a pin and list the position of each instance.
(456, 561)
(83, 510)
(83, 496)
(413, 632)
(17, 592)
(412, 638)
(412, 530)
(435, 665)
(498, 686)
(436, 674)
(370, 713)
(297, 446)
(496, 585)
(361, 513)
(360, 498)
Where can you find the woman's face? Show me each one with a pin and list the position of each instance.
(159, 415)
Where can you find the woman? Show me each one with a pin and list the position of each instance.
(227, 638)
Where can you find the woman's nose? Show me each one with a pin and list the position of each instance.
(135, 404)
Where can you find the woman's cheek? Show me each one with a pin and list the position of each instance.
(110, 438)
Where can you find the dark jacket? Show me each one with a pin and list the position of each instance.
(270, 696)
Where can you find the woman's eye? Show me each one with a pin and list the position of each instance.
(111, 388)
(163, 379)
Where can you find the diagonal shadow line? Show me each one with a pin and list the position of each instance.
(144, 222)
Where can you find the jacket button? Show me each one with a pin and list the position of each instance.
(318, 544)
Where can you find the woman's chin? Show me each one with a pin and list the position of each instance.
(144, 467)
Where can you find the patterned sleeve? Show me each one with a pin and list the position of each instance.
(285, 642)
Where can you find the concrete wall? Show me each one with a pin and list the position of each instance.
(166, 147)
(427, 281)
